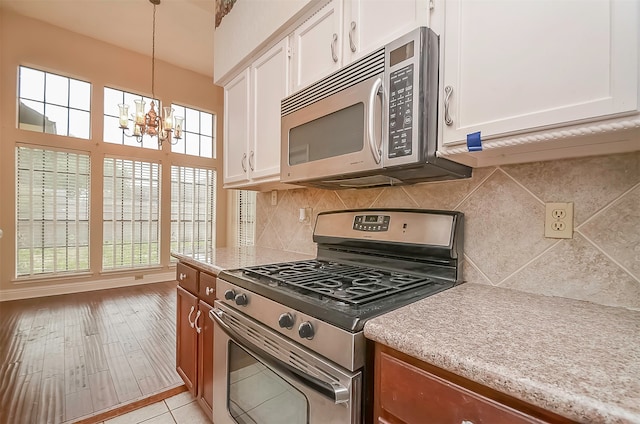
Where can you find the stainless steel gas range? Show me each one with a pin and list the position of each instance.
(289, 344)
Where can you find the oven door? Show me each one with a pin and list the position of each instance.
(261, 377)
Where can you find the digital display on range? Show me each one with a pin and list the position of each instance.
(371, 222)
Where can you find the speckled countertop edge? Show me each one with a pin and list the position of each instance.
(238, 257)
(577, 359)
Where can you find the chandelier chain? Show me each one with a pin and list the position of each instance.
(153, 55)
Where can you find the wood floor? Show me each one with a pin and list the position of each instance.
(66, 357)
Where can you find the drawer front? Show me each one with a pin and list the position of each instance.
(187, 277)
(207, 288)
(415, 396)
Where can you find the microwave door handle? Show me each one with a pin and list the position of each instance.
(376, 149)
(336, 392)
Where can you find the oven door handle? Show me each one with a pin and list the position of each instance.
(334, 391)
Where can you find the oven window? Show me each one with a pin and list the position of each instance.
(257, 395)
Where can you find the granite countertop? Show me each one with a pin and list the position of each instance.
(577, 359)
(238, 257)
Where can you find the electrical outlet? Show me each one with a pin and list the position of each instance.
(274, 197)
(558, 220)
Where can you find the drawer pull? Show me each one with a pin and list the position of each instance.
(352, 44)
(466, 422)
(182, 276)
(198, 329)
(334, 44)
(448, 90)
(191, 323)
(209, 290)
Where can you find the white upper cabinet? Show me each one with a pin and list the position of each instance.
(236, 128)
(317, 46)
(245, 29)
(370, 24)
(514, 67)
(252, 121)
(270, 77)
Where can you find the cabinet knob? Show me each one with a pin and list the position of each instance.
(182, 276)
(209, 290)
(466, 422)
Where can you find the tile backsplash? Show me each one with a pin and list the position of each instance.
(504, 224)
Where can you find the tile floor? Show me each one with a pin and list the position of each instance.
(179, 409)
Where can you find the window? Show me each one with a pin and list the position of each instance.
(52, 208)
(193, 211)
(112, 132)
(53, 104)
(131, 235)
(244, 218)
(198, 132)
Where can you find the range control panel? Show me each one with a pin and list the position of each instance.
(371, 222)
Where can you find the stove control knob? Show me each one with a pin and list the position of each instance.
(286, 321)
(241, 299)
(229, 295)
(306, 330)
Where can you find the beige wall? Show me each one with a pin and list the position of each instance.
(28, 42)
(504, 212)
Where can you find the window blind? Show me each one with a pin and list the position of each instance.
(245, 218)
(52, 212)
(193, 211)
(131, 212)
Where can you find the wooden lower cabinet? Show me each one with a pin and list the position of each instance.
(186, 339)
(409, 391)
(194, 334)
(205, 360)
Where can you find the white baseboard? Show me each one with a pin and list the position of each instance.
(85, 286)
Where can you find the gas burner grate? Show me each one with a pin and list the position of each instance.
(350, 284)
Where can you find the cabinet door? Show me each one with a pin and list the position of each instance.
(407, 394)
(236, 128)
(523, 65)
(370, 24)
(205, 359)
(317, 46)
(269, 79)
(186, 339)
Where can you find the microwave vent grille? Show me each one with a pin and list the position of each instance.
(361, 70)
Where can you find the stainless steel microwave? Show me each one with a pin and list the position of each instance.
(371, 123)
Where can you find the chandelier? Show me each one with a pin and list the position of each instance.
(151, 123)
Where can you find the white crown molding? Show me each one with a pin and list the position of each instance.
(546, 136)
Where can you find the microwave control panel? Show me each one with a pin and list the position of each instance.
(401, 112)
